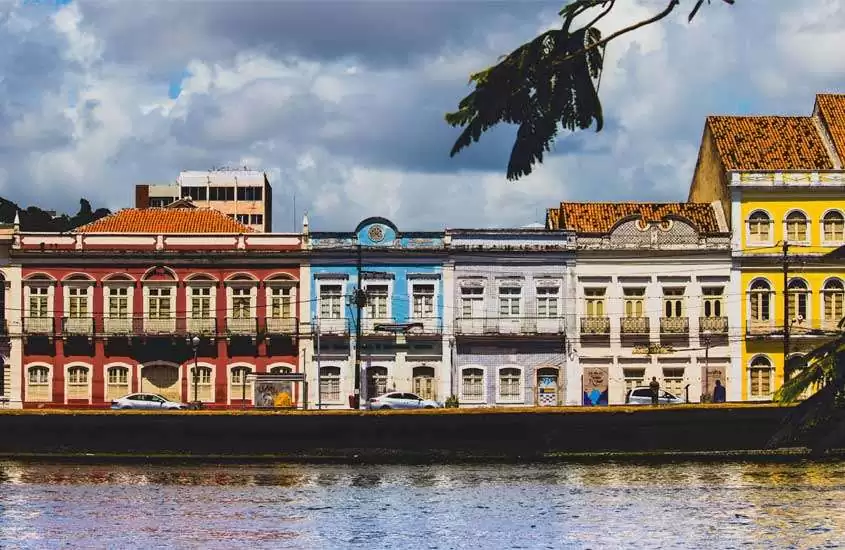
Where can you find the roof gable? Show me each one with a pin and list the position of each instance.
(165, 220)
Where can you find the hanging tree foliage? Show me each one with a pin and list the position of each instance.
(545, 85)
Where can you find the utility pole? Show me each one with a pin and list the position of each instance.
(360, 300)
(786, 321)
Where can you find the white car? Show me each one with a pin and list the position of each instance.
(147, 401)
(397, 400)
(642, 396)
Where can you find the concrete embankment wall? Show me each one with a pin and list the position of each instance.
(392, 435)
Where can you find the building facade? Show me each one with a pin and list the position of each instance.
(780, 179)
(403, 345)
(244, 195)
(115, 307)
(651, 284)
(512, 317)
(10, 323)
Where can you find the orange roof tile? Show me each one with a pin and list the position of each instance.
(832, 113)
(600, 217)
(165, 220)
(769, 143)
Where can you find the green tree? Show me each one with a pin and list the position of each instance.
(547, 84)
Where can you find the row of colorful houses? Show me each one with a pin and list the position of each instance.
(189, 303)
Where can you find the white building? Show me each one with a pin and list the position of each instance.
(652, 284)
(11, 355)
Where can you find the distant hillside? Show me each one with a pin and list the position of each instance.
(34, 219)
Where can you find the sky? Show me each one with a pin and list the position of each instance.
(342, 102)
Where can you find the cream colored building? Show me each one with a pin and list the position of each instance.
(652, 298)
(10, 324)
(245, 195)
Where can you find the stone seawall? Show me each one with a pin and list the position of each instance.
(392, 436)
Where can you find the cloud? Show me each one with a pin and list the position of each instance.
(342, 102)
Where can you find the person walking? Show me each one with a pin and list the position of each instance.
(654, 386)
(719, 392)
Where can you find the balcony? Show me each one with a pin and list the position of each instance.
(369, 324)
(674, 325)
(716, 325)
(760, 328)
(595, 326)
(510, 325)
(202, 326)
(330, 326)
(281, 325)
(78, 326)
(634, 325)
(242, 326)
(475, 325)
(158, 326)
(430, 325)
(117, 326)
(38, 325)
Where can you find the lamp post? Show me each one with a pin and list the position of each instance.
(195, 342)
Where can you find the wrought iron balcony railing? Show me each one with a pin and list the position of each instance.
(716, 325)
(331, 326)
(242, 326)
(674, 325)
(510, 325)
(595, 325)
(78, 326)
(201, 326)
(634, 325)
(281, 325)
(39, 325)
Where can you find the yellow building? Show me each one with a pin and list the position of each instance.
(780, 180)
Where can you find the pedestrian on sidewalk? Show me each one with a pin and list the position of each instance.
(655, 388)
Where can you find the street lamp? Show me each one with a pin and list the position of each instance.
(195, 342)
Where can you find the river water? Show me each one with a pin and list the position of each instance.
(674, 505)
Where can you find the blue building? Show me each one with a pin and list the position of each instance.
(403, 346)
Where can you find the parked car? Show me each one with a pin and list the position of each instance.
(642, 396)
(396, 400)
(147, 401)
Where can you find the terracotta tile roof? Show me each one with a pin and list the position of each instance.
(832, 112)
(165, 220)
(769, 143)
(600, 217)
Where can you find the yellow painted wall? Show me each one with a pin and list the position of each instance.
(778, 203)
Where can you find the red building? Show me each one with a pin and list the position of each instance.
(115, 307)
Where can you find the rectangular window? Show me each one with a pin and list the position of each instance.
(758, 229)
(240, 386)
(761, 382)
(472, 302)
(241, 303)
(834, 228)
(797, 304)
(377, 301)
(634, 302)
(158, 303)
(38, 301)
(760, 300)
(594, 298)
(119, 302)
(330, 384)
(547, 301)
(510, 384)
(509, 298)
(833, 305)
(118, 382)
(242, 218)
(201, 302)
(472, 383)
(5, 380)
(38, 384)
(280, 302)
(249, 193)
(77, 302)
(673, 302)
(77, 383)
(633, 378)
(331, 302)
(713, 301)
(221, 193)
(423, 296)
(161, 202)
(673, 381)
(195, 193)
(256, 219)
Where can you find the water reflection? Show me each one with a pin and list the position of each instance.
(678, 505)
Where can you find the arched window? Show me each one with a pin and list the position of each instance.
(117, 382)
(510, 384)
(833, 226)
(761, 377)
(472, 384)
(760, 295)
(330, 384)
(376, 381)
(77, 383)
(281, 370)
(424, 382)
(38, 384)
(833, 298)
(759, 228)
(798, 299)
(796, 227)
(204, 389)
(239, 386)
